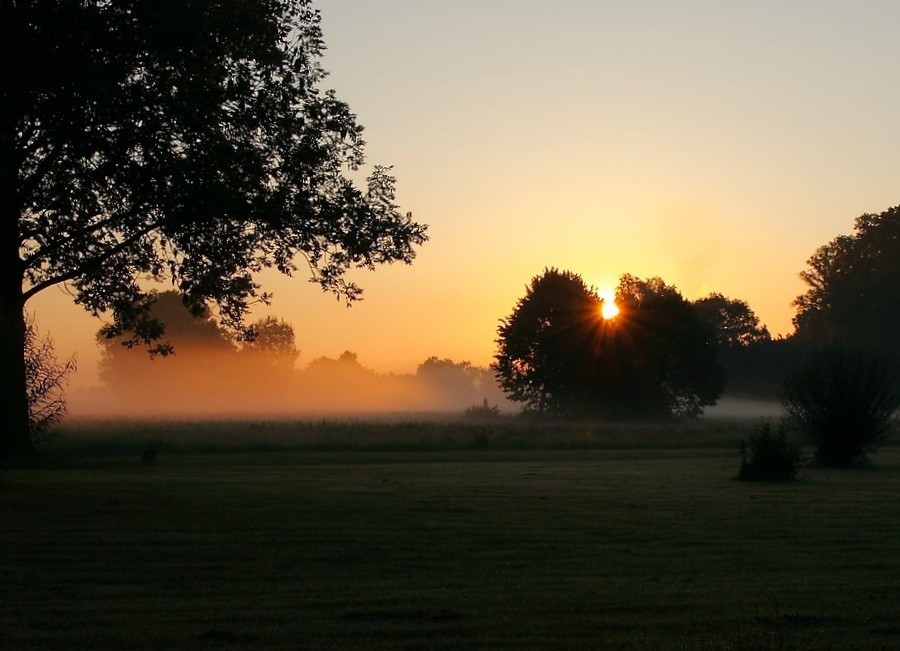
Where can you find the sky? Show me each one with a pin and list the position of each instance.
(714, 144)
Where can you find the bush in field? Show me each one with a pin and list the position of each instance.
(484, 411)
(770, 455)
(843, 401)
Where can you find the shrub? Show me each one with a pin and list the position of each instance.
(770, 455)
(484, 411)
(45, 380)
(844, 402)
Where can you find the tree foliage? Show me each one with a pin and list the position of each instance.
(558, 356)
(666, 348)
(736, 325)
(189, 141)
(548, 345)
(854, 287)
(272, 341)
(754, 363)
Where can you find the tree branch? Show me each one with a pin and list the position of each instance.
(29, 185)
(88, 265)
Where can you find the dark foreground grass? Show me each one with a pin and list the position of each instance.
(504, 549)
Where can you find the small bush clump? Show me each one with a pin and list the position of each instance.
(484, 411)
(770, 455)
(844, 402)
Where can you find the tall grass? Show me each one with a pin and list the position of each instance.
(132, 437)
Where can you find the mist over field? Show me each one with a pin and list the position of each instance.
(738, 407)
(203, 382)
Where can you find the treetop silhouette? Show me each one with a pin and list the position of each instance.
(854, 287)
(558, 356)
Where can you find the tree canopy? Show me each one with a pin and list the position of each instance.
(664, 347)
(272, 340)
(854, 287)
(736, 325)
(558, 356)
(547, 346)
(187, 142)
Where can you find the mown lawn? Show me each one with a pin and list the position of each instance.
(599, 548)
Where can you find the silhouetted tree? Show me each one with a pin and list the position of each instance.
(733, 320)
(665, 350)
(45, 380)
(484, 411)
(548, 347)
(753, 362)
(558, 356)
(347, 364)
(272, 340)
(189, 140)
(854, 288)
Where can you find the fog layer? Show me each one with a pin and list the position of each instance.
(210, 382)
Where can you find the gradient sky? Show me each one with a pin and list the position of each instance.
(715, 144)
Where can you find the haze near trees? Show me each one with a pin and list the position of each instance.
(188, 142)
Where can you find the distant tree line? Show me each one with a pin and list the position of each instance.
(208, 370)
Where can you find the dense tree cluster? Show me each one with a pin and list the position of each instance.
(736, 325)
(559, 356)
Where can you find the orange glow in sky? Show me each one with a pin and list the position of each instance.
(716, 145)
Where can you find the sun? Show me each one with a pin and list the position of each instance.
(608, 309)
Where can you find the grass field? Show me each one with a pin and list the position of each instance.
(423, 536)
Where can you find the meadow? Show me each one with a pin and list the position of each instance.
(423, 535)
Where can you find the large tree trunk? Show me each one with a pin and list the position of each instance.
(15, 438)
